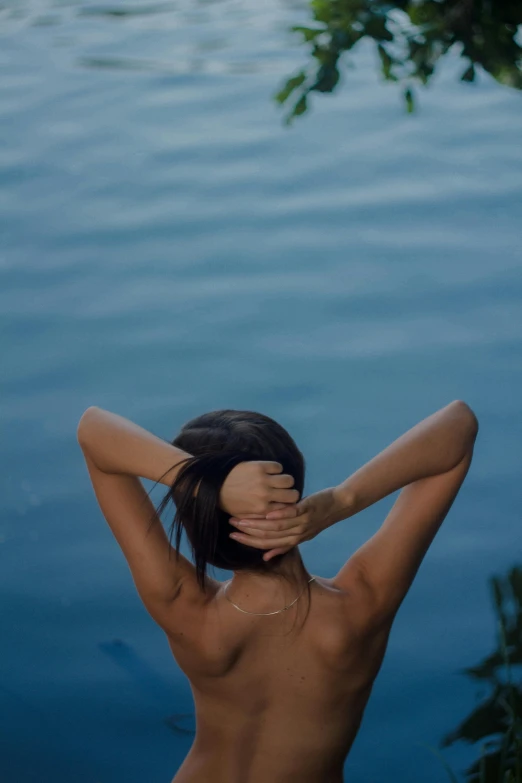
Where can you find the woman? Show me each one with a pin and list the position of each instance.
(281, 663)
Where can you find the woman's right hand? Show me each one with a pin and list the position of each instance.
(282, 530)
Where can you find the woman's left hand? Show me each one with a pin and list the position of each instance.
(287, 528)
(253, 489)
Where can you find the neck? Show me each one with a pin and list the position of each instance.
(289, 568)
(260, 590)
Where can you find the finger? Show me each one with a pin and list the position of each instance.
(272, 467)
(263, 543)
(273, 530)
(248, 525)
(282, 481)
(276, 506)
(284, 496)
(289, 511)
(246, 517)
(273, 552)
(275, 526)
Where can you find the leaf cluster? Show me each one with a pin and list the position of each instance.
(410, 38)
(497, 722)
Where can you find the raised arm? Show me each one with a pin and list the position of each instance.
(117, 452)
(435, 445)
(429, 463)
(430, 460)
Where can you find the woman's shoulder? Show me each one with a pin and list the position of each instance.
(350, 603)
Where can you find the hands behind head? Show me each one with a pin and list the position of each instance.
(256, 488)
(281, 529)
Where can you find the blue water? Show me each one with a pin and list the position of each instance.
(168, 247)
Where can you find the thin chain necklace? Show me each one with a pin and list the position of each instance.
(264, 614)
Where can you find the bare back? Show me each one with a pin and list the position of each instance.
(278, 699)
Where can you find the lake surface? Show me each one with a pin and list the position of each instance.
(168, 247)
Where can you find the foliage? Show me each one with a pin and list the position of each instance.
(497, 722)
(410, 38)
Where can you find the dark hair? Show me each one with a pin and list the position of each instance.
(217, 442)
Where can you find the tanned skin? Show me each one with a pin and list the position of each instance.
(280, 698)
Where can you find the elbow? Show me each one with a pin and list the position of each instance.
(85, 425)
(469, 420)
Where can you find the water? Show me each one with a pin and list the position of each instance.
(169, 247)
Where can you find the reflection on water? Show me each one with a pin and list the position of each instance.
(125, 11)
(410, 39)
(193, 38)
(496, 724)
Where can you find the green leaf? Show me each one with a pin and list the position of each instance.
(291, 85)
(327, 78)
(426, 13)
(322, 10)
(510, 75)
(410, 101)
(376, 28)
(308, 33)
(387, 63)
(300, 107)
(482, 771)
(469, 74)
